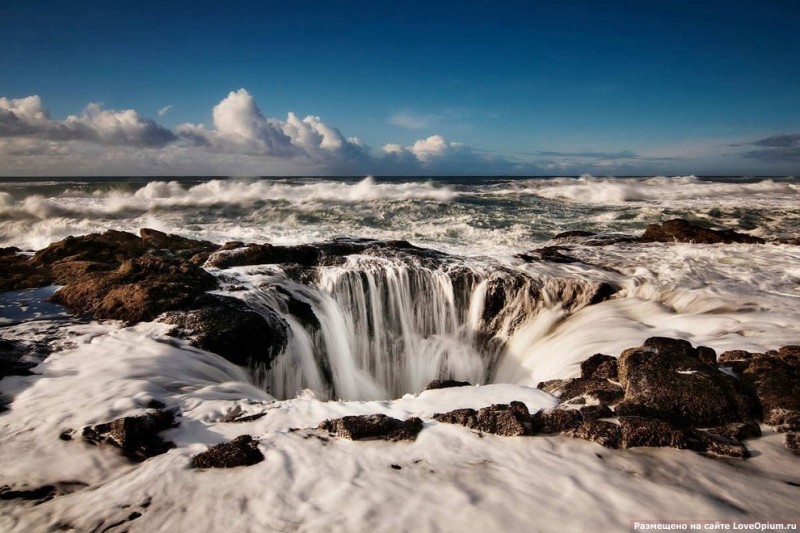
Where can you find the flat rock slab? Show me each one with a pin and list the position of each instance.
(378, 426)
(241, 451)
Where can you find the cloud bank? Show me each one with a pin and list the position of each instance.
(241, 140)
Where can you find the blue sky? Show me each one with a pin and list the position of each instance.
(551, 87)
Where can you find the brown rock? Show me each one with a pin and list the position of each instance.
(377, 426)
(500, 419)
(604, 433)
(241, 451)
(679, 230)
(594, 412)
(718, 445)
(737, 431)
(550, 421)
(600, 389)
(637, 431)
(599, 366)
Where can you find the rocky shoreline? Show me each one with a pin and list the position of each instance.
(664, 393)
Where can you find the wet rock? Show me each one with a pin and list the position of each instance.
(599, 366)
(737, 431)
(11, 359)
(552, 254)
(599, 389)
(137, 436)
(594, 412)
(241, 451)
(158, 239)
(551, 421)
(553, 386)
(378, 426)
(139, 290)
(446, 384)
(40, 494)
(734, 355)
(717, 445)
(679, 230)
(111, 247)
(507, 420)
(665, 379)
(707, 355)
(793, 442)
(606, 434)
(637, 431)
(774, 378)
(226, 326)
(565, 235)
(19, 272)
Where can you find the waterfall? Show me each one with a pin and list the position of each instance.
(381, 327)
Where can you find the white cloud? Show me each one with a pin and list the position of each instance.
(164, 110)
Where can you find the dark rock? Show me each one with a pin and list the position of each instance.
(112, 247)
(707, 355)
(774, 377)
(599, 366)
(793, 442)
(506, 420)
(550, 421)
(734, 355)
(665, 379)
(226, 326)
(604, 433)
(19, 272)
(718, 445)
(446, 384)
(136, 436)
(552, 254)
(11, 363)
(500, 419)
(377, 426)
(158, 239)
(241, 451)
(637, 431)
(679, 230)
(595, 412)
(237, 415)
(737, 431)
(40, 494)
(600, 389)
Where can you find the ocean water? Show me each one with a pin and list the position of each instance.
(385, 327)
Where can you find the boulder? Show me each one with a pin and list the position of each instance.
(716, 445)
(737, 431)
(378, 426)
(508, 420)
(599, 366)
(595, 412)
(679, 230)
(666, 379)
(637, 431)
(137, 436)
(556, 420)
(241, 451)
(774, 377)
(604, 433)
(602, 390)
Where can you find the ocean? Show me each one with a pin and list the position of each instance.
(383, 327)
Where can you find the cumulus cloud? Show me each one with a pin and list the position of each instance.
(241, 140)
(25, 117)
(776, 149)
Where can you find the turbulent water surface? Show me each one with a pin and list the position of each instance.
(381, 327)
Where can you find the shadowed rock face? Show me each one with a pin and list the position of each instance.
(363, 427)
(241, 451)
(446, 384)
(679, 230)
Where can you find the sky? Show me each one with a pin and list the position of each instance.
(399, 88)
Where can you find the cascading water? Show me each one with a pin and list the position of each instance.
(380, 327)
